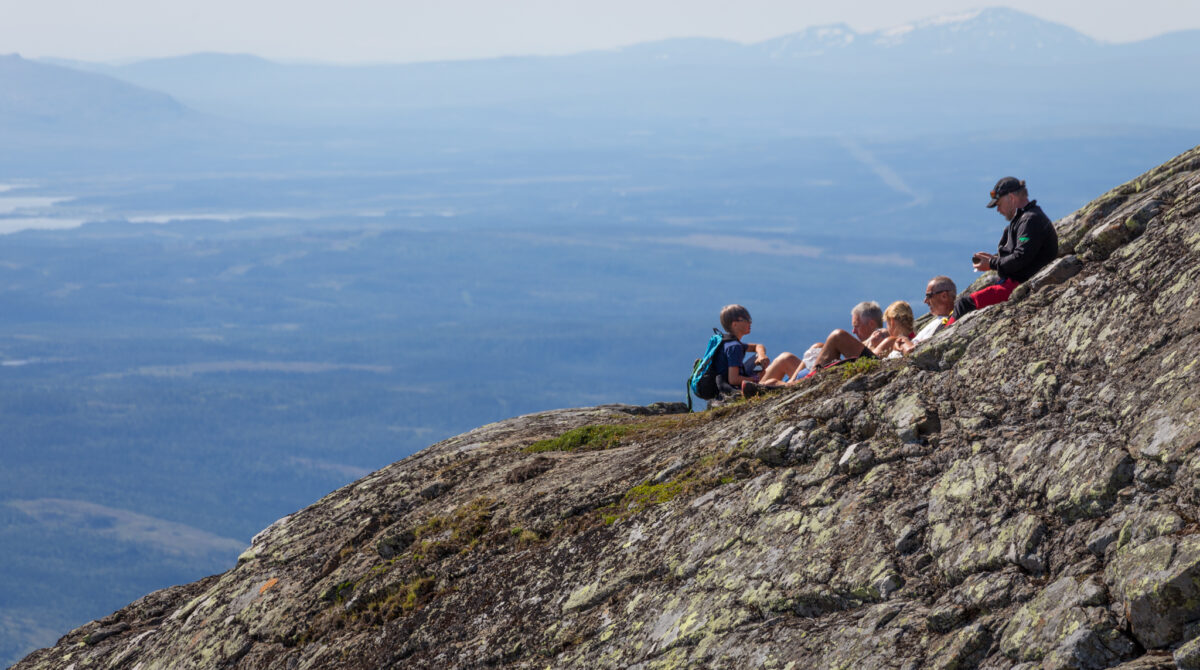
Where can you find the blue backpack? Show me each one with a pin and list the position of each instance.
(703, 382)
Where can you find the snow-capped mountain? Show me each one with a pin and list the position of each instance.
(978, 34)
(929, 76)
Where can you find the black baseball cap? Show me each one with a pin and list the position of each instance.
(1004, 187)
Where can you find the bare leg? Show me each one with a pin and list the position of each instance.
(839, 343)
(785, 364)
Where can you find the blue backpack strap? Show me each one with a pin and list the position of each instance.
(703, 365)
(710, 351)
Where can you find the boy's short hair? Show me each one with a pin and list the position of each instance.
(902, 314)
(731, 313)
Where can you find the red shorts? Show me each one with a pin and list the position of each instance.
(994, 295)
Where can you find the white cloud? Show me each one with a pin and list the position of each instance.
(37, 223)
(895, 260)
(741, 244)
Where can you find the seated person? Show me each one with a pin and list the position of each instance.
(939, 295)
(899, 319)
(865, 320)
(1029, 243)
(736, 369)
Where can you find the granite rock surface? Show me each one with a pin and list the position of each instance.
(1020, 493)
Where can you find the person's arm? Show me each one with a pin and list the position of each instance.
(982, 261)
(881, 348)
(760, 354)
(876, 338)
(1030, 236)
(736, 377)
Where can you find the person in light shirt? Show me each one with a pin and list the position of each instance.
(939, 295)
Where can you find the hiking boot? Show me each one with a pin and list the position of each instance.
(749, 389)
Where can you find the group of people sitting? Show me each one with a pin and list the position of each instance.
(1029, 243)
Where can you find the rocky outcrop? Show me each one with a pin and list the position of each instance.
(1021, 493)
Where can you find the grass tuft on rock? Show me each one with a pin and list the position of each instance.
(585, 438)
(713, 470)
(858, 367)
(442, 536)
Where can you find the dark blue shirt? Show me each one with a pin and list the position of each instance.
(732, 354)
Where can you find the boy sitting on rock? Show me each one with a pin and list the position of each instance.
(738, 370)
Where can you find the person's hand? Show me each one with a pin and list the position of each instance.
(762, 360)
(982, 261)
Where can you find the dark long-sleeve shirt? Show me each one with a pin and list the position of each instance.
(1029, 244)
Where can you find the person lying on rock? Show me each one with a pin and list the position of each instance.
(1029, 244)
(738, 370)
(939, 295)
(865, 321)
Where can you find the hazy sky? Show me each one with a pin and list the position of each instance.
(411, 30)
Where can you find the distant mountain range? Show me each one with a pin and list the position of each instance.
(994, 70)
(980, 35)
(36, 94)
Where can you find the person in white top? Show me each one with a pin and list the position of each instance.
(939, 295)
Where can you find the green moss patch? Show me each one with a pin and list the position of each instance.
(644, 495)
(523, 536)
(584, 438)
(858, 367)
(404, 599)
(705, 474)
(598, 437)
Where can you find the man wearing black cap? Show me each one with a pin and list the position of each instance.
(1028, 245)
